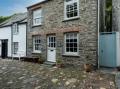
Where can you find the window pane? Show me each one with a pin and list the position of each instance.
(75, 49)
(39, 41)
(71, 35)
(67, 50)
(52, 39)
(67, 40)
(72, 40)
(75, 44)
(75, 13)
(67, 36)
(71, 45)
(71, 50)
(75, 40)
(52, 44)
(67, 45)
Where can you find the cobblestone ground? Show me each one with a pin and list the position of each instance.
(25, 75)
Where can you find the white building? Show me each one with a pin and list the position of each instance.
(13, 36)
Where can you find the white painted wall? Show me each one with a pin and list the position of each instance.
(5, 33)
(21, 39)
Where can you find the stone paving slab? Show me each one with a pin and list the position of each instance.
(117, 78)
(25, 75)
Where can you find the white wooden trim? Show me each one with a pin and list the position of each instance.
(71, 53)
(35, 51)
(38, 17)
(67, 3)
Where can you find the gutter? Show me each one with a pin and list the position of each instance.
(5, 26)
(41, 2)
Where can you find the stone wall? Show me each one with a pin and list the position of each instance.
(54, 23)
(116, 15)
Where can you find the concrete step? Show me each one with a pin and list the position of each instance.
(49, 63)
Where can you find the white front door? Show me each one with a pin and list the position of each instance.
(51, 48)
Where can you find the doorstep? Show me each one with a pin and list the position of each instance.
(48, 63)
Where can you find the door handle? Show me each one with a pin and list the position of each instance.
(102, 51)
(51, 50)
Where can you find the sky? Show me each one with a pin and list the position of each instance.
(9, 7)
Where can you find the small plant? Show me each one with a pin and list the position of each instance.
(118, 68)
(88, 65)
(59, 63)
(40, 60)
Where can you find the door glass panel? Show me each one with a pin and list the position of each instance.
(52, 41)
(52, 45)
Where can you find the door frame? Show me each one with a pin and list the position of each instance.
(53, 48)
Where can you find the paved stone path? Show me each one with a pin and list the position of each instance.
(25, 75)
(118, 80)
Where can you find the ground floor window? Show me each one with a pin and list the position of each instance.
(36, 44)
(71, 43)
(15, 47)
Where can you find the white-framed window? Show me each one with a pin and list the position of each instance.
(71, 43)
(37, 17)
(36, 44)
(15, 47)
(71, 9)
(15, 28)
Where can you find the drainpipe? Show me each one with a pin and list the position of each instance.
(98, 27)
(12, 41)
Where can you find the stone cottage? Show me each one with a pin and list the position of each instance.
(65, 30)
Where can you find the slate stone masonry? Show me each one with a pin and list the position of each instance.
(116, 15)
(54, 23)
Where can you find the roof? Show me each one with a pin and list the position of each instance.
(20, 17)
(38, 3)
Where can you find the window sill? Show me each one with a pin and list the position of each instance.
(15, 54)
(36, 25)
(36, 52)
(70, 19)
(15, 33)
(73, 55)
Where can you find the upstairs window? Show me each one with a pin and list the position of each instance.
(37, 17)
(36, 44)
(71, 9)
(15, 28)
